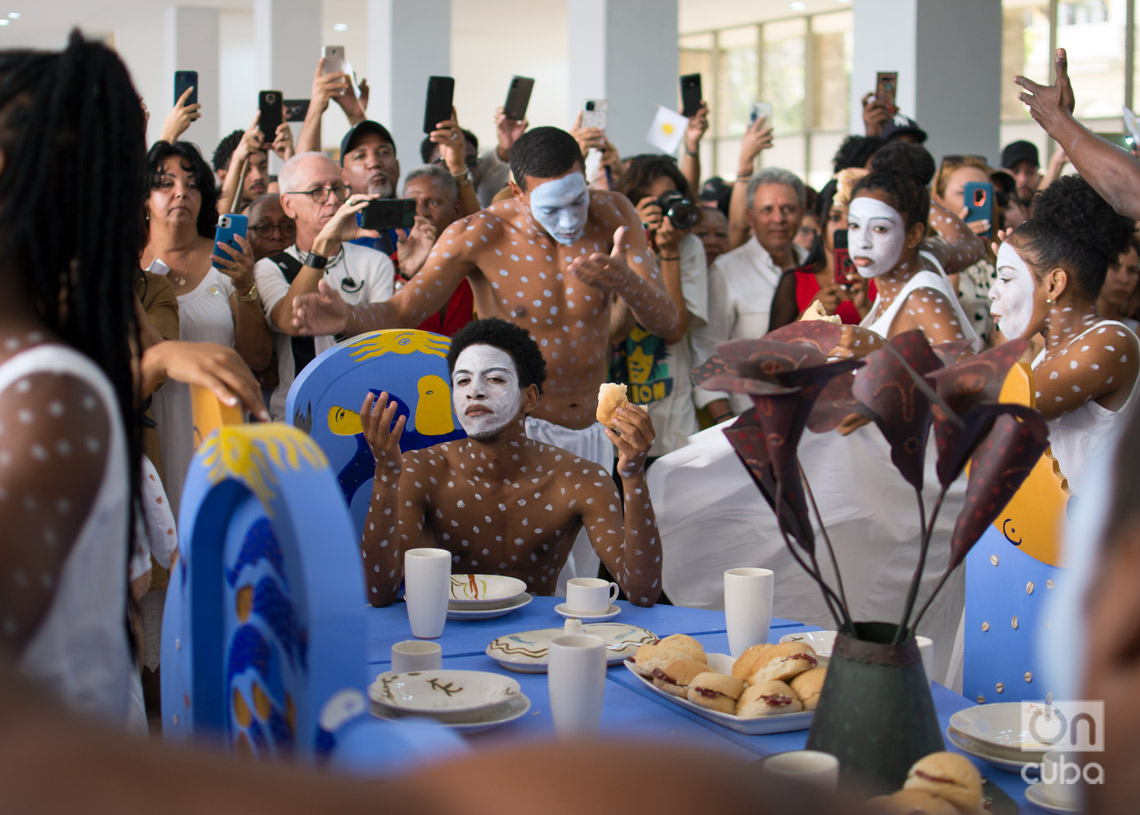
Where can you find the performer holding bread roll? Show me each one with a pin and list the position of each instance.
(611, 396)
(715, 691)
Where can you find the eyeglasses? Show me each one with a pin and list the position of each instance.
(321, 194)
(263, 231)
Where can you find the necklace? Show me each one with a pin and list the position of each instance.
(179, 278)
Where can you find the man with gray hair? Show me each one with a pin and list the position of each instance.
(743, 282)
(315, 196)
(437, 207)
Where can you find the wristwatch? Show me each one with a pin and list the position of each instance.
(249, 296)
(315, 261)
(463, 179)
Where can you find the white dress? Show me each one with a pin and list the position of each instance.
(879, 319)
(1076, 436)
(80, 651)
(204, 315)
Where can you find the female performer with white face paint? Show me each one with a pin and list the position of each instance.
(1050, 270)
(499, 502)
(886, 223)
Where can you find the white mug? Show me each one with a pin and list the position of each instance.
(590, 595)
(416, 655)
(576, 678)
(747, 607)
(427, 588)
(1061, 778)
(803, 766)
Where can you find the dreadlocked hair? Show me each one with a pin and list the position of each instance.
(71, 131)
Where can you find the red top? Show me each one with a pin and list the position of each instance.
(457, 312)
(807, 287)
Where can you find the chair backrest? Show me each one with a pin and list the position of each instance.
(1009, 574)
(264, 631)
(325, 402)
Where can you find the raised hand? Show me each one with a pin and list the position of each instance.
(635, 439)
(283, 143)
(342, 225)
(383, 437)
(697, 127)
(508, 131)
(238, 266)
(977, 227)
(181, 116)
(414, 246)
(587, 137)
(875, 115)
(326, 86)
(606, 272)
(756, 138)
(1048, 104)
(452, 145)
(322, 313)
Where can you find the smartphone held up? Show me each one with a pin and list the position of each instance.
(271, 107)
(230, 226)
(437, 108)
(518, 98)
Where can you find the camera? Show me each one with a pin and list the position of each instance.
(678, 209)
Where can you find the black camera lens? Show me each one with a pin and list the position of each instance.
(678, 209)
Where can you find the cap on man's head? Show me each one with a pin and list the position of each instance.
(901, 125)
(1018, 151)
(362, 129)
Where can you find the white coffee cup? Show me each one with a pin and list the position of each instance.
(576, 678)
(590, 595)
(803, 767)
(416, 655)
(427, 582)
(1061, 778)
(747, 607)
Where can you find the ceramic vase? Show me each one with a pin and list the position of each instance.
(875, 713)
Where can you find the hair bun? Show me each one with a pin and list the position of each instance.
(906, 158)
(1073, 208)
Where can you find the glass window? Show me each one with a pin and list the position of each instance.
(737, 79)
(1092, 33)
(782, 75)
(832, 44)
(1025, 52)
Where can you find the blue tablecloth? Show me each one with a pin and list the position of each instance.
(629, 709)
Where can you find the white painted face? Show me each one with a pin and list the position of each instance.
(876, 236)
(485, 390)
(561, 205)
(1011, 295)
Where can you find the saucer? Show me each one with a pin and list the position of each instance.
(513, 604)
(444, 695)
(563, 611)
(1035, 796)
(516, 708)
(527, 651)
(973, 748)
(483, 591)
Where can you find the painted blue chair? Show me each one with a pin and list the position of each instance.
(326, 397)
(264, 631)
(1010, 573)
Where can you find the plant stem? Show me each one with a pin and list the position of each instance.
(916, 578)
(930, 599)
(827, 540)
(828, 594)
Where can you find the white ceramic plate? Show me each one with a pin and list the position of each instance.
(471, 591)
(968, 745)
(783, 723)
(822, 641)
(514, 604)
(1035, 796)
(527, 651)
(997, 727)
(445, 695)
(565, 611)
(514, 709)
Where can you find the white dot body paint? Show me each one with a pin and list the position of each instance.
(485, 390)
(1011, 295)
(561, 206)
(876, 235)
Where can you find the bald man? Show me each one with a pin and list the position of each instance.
(550, 260)
(315, 197)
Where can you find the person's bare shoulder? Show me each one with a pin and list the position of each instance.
(567, 467)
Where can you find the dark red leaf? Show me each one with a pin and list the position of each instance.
(1001, 462)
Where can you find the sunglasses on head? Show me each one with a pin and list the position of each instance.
(962, 159)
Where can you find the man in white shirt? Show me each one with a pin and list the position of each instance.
(314, 195)
(743, 281)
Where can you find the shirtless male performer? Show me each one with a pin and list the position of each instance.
(549, 260)
(499, 502)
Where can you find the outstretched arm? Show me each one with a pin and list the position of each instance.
(632, 556)
(962, 248)
(379, 547)
(1112, 172)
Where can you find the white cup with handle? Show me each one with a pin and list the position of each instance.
(427, 588)
(576, 678)
(747, 607)
(590, 595)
